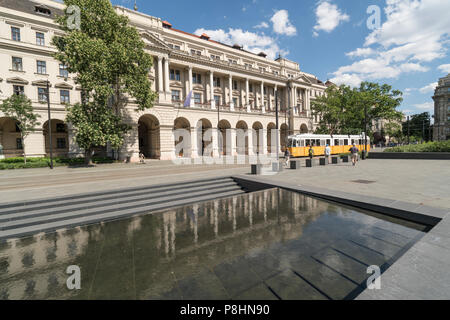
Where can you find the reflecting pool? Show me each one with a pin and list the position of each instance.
(272, 244)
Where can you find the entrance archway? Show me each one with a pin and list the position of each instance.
(242, 138)
(304, 129)
(149, 137)
(10, 139)
(257, 138)
(204, 141)
(223, 144)
(183, 123)
(60, 138)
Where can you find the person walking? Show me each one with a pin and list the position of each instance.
(287, 157)
(311, 152)
(354, 151)
(328, 154)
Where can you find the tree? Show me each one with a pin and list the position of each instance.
(108, 56)
(344, 110)
(393, 130)
(419, 126)
(19, 108)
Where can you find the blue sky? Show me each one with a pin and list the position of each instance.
(331, 39)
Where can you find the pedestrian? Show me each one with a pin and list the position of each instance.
(328, 154)
(287, 156)
(141, 158)
(311, 152)
(354, 151)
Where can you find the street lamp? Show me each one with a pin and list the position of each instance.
(49, 125)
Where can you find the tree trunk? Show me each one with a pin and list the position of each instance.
(24, 151)
(88, 157)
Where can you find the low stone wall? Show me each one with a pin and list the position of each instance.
(411, 155)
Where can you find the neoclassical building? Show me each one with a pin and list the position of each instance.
(231, 89)
(441, 128)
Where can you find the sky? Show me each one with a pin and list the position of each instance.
(403, 43)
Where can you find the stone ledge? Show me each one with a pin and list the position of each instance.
(410, 155)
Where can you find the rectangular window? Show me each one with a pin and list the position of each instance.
(65, 96)
(250, 88)
(63, 71)
(265, 90)
(176, 95)
(197, 98)
(196, 52)
(18, 90)
(216, 82)
(40, 39)
(19, 145)
(175, 75)
(336, 142)
(235, 101)
(60, 143)
(346, 142)
(60, 128)
(41, 67)
(15, 34)
(217, 100)
(42, 95)
(17, 64)
(235, 85)
(197, 78)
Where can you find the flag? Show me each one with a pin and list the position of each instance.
(187, 102)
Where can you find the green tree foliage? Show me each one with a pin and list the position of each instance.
(108, 56)
(419, 127)
(19, 108)
(342, 109)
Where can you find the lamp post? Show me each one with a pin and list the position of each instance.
(49, 125)
(277, 127)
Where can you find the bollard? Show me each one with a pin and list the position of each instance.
(334, 160)
(256, 169)
(323, 161)
(345, 159)
(309, 163)
(295, 165)
(277, 167)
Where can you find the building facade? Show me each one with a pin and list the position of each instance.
(231, 89)
(441, 127)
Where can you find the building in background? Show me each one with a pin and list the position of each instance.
(441, 127)
(239, 83)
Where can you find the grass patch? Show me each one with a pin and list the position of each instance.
(441, 146)
(18, 162)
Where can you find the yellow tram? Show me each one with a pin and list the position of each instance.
(298, 145)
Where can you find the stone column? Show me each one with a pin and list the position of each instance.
(250, 142)
(269, 99)
(263, 140)
(215, 144)
(211, 88)
(130, 147)
(263, 108)
(247, 95)
(190, 86)
(230, 85)
(160, 78)
(166, 78)
(231, 141)
(194, 142)
(167, 143)
(74, 149)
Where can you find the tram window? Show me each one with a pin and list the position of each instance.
(322, 142)
(328, 142)
(302, 143)
(308, 142)
(345, 142)
(318, 142)
(336, 142)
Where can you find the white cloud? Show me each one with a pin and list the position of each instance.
(415, 32)
(361, 52)
(444, 68)
(281, 23)
(262, 25)
(426, 106)
(251, 41)
(429, 88)
(328, 17)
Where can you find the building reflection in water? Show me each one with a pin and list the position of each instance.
(142, 257)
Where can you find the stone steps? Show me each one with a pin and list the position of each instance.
(54, 214)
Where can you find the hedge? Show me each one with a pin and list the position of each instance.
(439, 146)
(18, 162)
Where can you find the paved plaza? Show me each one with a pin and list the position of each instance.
(415, 181)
